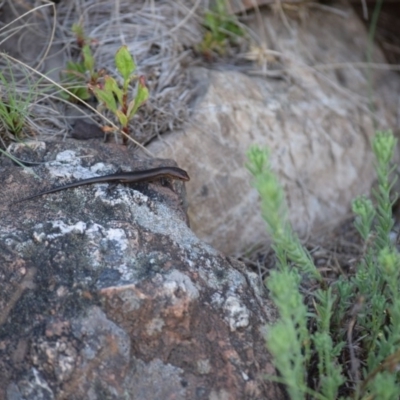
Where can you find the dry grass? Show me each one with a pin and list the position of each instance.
(162, 36)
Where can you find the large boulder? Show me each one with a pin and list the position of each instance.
(107, 293)
(310, 101)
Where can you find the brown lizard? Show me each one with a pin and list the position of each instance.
(122, 177)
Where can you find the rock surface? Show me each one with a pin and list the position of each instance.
(107, 294)
(316, 121)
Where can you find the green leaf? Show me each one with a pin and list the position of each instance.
(107, 98)
(131, 107)
(383, 146)
(141, 96)
(88, 60)
(124, 62)
(77, 29)
(211, 22)
(111, 85)
(233, 28)
(82, 93)
(73, 67)
(123, 119)
(389, 261)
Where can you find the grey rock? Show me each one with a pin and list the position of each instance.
(108, 294)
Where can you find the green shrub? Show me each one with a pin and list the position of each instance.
(15, 103)
(317, 344)
(82, 79)
(221, 28)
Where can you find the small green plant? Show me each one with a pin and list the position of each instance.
(14, 104)
(116, 98)
(82, 79)
(79, 32)
(221, 29)
(77, 75)
(323, 362)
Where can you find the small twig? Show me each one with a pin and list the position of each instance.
(391, 364)
(355, 362)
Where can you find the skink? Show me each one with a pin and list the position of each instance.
(122, 177)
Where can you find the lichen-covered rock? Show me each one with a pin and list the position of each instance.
(107, 293)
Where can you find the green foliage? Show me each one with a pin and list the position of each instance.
(88, 62)
(274, 212)
(76, 77)
(125, 64)
(362, 309)
(14, 104)
(365, 212)
(79, 32)
(221, 29)
(329, 370)
(383, 147)
(74, 80)
(116, 98)
(77, 74)
(289, 340)
(82, 79)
